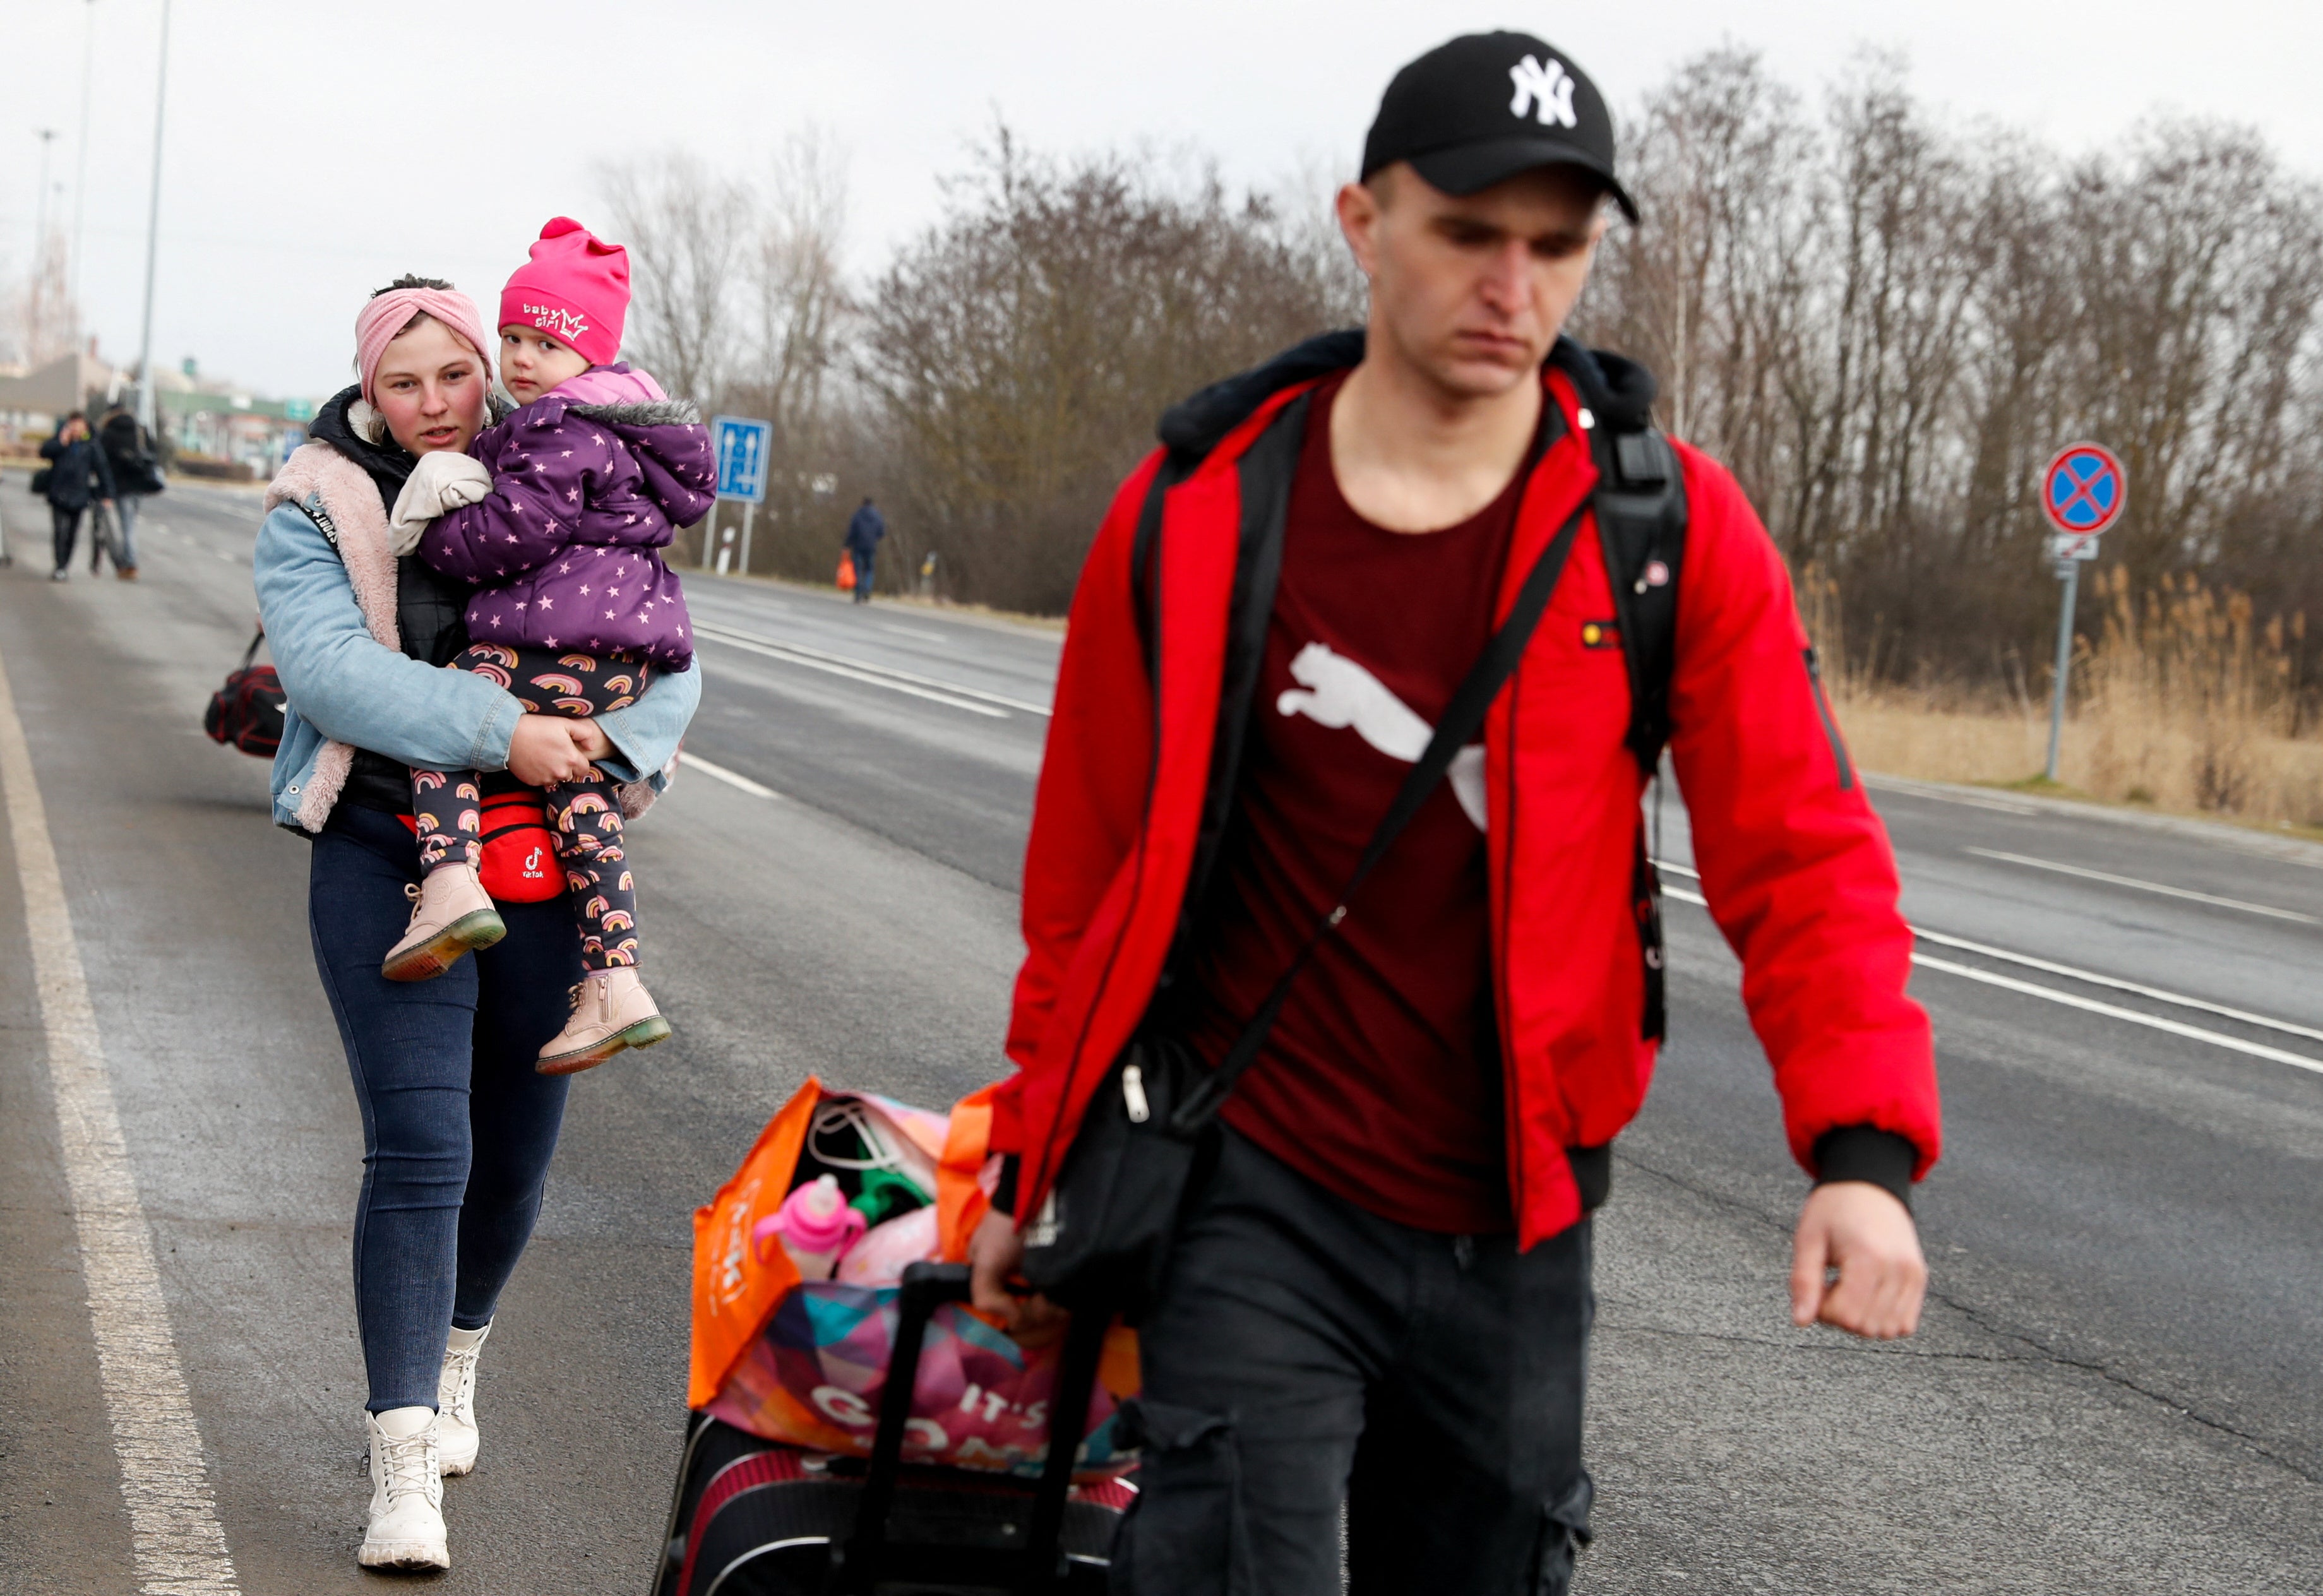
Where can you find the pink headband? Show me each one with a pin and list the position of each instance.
(378, 323)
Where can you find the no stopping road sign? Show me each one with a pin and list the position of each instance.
(2084, 490)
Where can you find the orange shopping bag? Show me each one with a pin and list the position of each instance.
(805, 1364)
(847, 573)
(739, 1279)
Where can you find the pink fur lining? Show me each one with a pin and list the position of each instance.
(351, 502)
(360, 522)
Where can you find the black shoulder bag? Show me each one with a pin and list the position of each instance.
(1101, 1239)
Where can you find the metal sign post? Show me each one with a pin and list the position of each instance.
(2083, 492)
(741, 446)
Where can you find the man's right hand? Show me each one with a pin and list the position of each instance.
(993, 1254)
(543, 751)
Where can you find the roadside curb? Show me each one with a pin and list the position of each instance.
(2247, 839)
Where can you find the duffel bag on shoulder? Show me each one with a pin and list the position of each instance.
(246, 714)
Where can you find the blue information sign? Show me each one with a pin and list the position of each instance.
(742, 446)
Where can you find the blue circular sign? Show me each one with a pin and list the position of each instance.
(2084, 490)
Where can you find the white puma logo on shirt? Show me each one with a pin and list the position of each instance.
(1341, 693)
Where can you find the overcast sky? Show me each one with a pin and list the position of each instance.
(315, 151)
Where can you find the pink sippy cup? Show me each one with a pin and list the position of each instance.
(815, 1225)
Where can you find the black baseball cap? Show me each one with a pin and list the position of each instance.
(1482, 108)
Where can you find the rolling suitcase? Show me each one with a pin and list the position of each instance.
(754, 1517)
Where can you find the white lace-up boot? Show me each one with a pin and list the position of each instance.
(455, 1400)
(407, 1493)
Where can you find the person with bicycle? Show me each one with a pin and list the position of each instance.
(1377, 1286)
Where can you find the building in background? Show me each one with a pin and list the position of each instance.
(207, 428)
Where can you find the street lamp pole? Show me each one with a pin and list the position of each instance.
(47, 136)
(80, 175)
(145, 405)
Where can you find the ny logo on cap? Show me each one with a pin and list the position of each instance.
(1547, 91)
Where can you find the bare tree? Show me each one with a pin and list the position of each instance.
(1019, 353)
(38, 320)
(687, 232)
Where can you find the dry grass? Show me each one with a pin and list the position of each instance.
(2182, 703)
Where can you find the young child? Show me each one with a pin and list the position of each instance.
(556, 519)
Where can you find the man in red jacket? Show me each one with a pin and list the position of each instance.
(1379, 1292)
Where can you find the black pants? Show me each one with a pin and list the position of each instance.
(65, 524)
(1307, 1352)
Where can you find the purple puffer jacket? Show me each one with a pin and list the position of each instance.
(563, 547)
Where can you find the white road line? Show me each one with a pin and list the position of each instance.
(1898, 784)
(2178, 999)
(791, 657)
(2094, 979)
(751, 639)
(2257, 1050)
(2152, 886)
(914, 633)
(732, 778)
(178, 1542)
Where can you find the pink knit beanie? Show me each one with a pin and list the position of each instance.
(575, 289)
(388, 314)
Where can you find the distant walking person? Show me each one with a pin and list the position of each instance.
(863, 535)
(80, 478)
(136, 474)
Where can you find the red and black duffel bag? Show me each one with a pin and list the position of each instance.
(246, 714)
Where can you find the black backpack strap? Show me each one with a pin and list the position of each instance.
(250, 653)
(1641, 514)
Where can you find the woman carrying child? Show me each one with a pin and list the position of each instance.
(555, 523)
(458, 1124)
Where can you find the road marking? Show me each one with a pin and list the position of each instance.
(174, 1532)
(1943, 795)
(881, 675)
(719, 773)
(2257, 1050)
(792, 656)
(2152, 886)
(2094, 979)
(913, 632)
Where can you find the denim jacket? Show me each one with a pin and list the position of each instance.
(344, 686)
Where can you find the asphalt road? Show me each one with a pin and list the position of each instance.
(2115, 1391)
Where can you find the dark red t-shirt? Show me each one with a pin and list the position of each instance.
(1381, 1078)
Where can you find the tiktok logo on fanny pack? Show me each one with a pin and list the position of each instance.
(1545, 91)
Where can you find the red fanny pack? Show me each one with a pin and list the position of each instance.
(519, 850)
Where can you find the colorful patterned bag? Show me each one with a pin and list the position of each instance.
(806, 1362)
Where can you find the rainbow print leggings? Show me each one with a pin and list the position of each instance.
(586, 815)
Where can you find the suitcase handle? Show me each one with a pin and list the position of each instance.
(926, 1287)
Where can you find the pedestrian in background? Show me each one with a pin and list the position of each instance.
(79, 478)
(136, 474)
(863, 532)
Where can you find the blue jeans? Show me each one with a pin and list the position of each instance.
(863, 558)
(125, 515)
(458, 1127)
